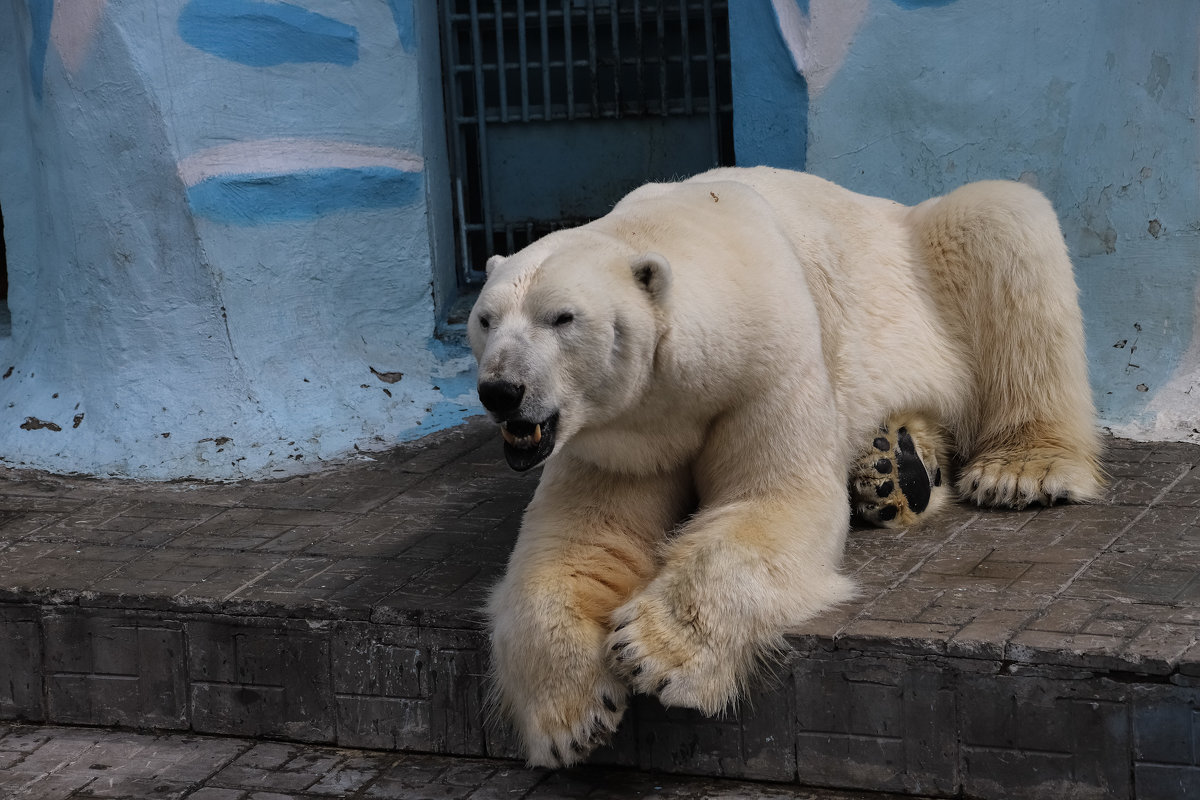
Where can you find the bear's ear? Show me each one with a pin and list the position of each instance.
(653, 273)
(494, 262)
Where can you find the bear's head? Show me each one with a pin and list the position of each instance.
(565, 333)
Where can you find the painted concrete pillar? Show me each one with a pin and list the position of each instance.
(220, 242)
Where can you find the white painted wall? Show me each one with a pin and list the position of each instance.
(218, 237)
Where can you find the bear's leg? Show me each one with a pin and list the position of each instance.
(588, 541)
(761, 555)
(897, 481)
(1001, 275)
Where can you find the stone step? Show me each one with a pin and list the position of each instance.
(1042, 653)
(47, 762)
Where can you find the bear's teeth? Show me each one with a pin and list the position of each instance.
(524, 442)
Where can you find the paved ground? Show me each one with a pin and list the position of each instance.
(418, 536)
(1000, 654)
(55, 763)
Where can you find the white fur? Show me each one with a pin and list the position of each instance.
(735, 340)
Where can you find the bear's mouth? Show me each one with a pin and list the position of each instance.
(527, 444)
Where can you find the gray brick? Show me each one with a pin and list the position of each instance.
(679, 740)
(114, 668)
(260, 678)
(350, 775)
(385, 722)
(1166, 782)
(20, 663)
(767, 722)
(1033, 737)
(456, 678)
(1166, 725)
(214, 793)
(380, 661)
(874, 723)
(987, 635)
(1156, 648)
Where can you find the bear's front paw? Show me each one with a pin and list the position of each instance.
(897, 481)
(665, 646)
(550, 677)
(561, 724)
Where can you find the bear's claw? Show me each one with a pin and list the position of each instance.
(898, 479)
(660, 655)
(1029, 474)
(551, 743)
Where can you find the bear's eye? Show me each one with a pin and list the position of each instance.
(565, 318)
(484, 322)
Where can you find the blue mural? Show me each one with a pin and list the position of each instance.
(41, 12)
(402, 13)
(266, 34)
(248, 177)
(251, 199)
(771, 122)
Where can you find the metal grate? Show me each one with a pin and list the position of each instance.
(557, 109)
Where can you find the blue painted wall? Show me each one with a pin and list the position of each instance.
(219, 239)
(1092, 101)
(227, 221)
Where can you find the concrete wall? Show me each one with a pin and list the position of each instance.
(219, 238)
(1092, 101)
(227, 220)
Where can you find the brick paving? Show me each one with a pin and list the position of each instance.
(57, 763)
(993, 653)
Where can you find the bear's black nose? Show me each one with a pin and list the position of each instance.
(500, 397)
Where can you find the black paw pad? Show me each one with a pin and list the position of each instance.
(911, 473)
(895, 478)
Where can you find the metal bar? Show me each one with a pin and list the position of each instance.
(640, 63)
(501, 67)
(614, 24)
(714, 129)
(545, 23)
(640, 58)
(662, 57)
(568, 58)
(685, 59)
(464, 251)
(523, 55)
(593, 73)
(480, 122)
(449, 57)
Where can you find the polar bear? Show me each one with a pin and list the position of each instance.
(703, 372)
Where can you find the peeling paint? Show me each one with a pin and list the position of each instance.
(35, 424)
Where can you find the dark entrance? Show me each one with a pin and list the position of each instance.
(557, 109)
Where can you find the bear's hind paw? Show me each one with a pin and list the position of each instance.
(1018, 477)
(897, 481)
